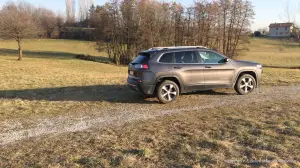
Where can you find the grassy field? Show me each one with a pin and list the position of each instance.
(51, 48)
(50, 82)
(273, 52)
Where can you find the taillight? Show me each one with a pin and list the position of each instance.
(145, 66)
(141, 66)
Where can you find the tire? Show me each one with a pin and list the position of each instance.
(246, 84)
(167, 92)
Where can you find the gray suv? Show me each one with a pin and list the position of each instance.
(168, 72)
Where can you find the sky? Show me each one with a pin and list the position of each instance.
(267, 11)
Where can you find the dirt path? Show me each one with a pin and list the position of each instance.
(15, 130)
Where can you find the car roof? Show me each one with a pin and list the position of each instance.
(176, 48)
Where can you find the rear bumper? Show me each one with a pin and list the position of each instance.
(144, 89)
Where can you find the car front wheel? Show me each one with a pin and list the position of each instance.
(167, 91)
(245, 84)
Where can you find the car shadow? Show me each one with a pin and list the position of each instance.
(106, 93)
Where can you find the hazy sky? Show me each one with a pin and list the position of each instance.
(267, 11)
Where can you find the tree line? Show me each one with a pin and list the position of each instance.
(125, 27)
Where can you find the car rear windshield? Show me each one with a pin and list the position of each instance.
(142, 58)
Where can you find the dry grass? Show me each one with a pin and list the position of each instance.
(278, 76)
(273, 52)
(58, 47)
(30, 86)
(49, 81)
(207, 138)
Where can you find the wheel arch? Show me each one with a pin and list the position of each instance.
(249, 72)
(175, 79)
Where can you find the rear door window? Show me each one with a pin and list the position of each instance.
(186, 57)
(142, 58)
(167, 58)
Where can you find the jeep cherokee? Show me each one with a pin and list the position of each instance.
(169, 71)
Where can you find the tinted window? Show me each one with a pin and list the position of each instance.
(167, 58)
(187, 57)
(209, 57)
(141, 59)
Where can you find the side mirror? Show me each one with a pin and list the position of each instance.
(226, 60)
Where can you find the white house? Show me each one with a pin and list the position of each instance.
(280, 29)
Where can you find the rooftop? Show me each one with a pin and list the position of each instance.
(281, 24)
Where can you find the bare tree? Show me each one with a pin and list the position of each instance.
(290, 15)
(134, 25)
(264, 31)
(70, 11)
(47, 19)
(84, 6)
(60, 19)
(17, 23)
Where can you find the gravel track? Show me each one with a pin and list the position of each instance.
(12, 131)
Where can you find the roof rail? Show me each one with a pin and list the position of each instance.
(176, 47)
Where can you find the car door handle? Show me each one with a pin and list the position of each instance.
(177, 67)
(207, 66)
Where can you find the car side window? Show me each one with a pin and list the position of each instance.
(186, 57)
(209, 57)
(167, 58)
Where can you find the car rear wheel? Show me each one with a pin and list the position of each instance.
(245, 84)
(167, 92)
